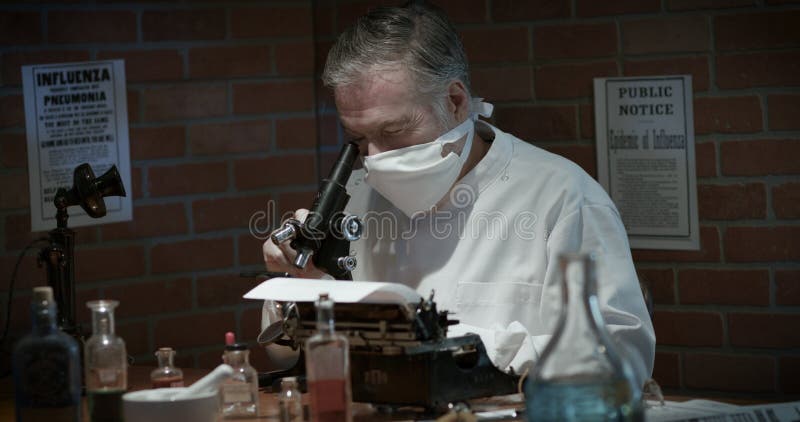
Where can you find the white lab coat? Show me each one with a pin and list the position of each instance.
(490, 248)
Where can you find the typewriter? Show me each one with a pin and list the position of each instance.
(400, 354)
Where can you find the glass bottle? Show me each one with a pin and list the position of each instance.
(328, 368)
(240, 391)
(106, 364)
(290, 401)
(167, 374)
(46, 366)
(581, 375)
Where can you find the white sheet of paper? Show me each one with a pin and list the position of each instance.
(308, 290)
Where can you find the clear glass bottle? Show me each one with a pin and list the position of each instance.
(328, 368)
(167, 374)
(581, 375)
(240, 391)
(290, 401)
(47, 367)
(106, 364)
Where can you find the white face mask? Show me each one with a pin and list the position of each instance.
(416, 178)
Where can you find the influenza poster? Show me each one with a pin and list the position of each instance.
(646, 159)
(75, 113)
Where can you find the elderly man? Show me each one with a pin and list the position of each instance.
(455, 205)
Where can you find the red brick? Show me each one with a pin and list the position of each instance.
(347, 13)
(773, 2)
(264, 22)
(183, 25)
(274, 171)
(185, 101)
(695, 66)
(250, 248)
(727, 115)
(574, 41)
(763, 30)
(295, 58)
(506, 83)
(787, 287)
(136, 336)
(783, 111)
(13, 150)
(225, 62)
(289, 202)
(667, 370)
(149, 221)
(539, 123)
(12, 111)
(148, 65)
(758, 69)
(183, 332)
(192, 255)
(695, 329)
(732, 202)
(146, 298)
(157, 142)
(786, 200)
(707, 4)
(761, 244)
(464, 11)
(20, 28)
(13, 62)
(760, 157)
(709, 250)
(134, 114)
(226, 213)
(223, 290)
(187, 179)
(715, 371)
(273, 96)
(329, 128)
(586, 8)
(789, 374)
(491, 45)
(324, 18)
(228, 138)
(529, 10)
(108, 263)
(29, 273)
(705, 159)
(587, 121)
(13, 190)
(724, 287)
(18, 232)
(660, 282)
(91, 26)
(582, 155)
(778, 331)
(136, 181)
(665, 35)
(570, 80)
(296, 133)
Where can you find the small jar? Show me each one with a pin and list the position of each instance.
(290, 401)
(166, 375)
(240, 391)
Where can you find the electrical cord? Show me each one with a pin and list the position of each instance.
(11, 292)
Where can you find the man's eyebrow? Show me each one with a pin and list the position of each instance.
(401, 121)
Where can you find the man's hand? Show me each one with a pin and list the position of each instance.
(280, 257)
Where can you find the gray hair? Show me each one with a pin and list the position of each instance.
(418, 36)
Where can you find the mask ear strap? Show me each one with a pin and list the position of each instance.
(481, 108)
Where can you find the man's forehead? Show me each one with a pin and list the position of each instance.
(375, 89)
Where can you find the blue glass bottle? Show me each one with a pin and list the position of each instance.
(582, 374)
(46, 366)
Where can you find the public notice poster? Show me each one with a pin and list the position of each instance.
(646, 159)
(75, 113)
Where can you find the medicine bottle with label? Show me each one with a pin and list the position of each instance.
(240, 391)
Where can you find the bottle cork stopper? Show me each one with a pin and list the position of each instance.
(43, 294)
(229, 338)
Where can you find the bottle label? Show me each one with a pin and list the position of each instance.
(46, 376)
(236, 393)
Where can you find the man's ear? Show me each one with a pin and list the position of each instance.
(458, 100)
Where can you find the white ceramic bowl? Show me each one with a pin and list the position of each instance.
(158, 406)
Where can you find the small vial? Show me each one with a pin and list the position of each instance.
(290, 401)
(240, 391)
(166, 375)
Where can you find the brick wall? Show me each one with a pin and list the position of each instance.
(222, 119)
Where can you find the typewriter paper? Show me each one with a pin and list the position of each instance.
(75, 113)
(645, 157)
(308, 290)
